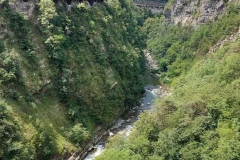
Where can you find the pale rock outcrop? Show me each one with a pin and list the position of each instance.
(194, 12)
(24, 7)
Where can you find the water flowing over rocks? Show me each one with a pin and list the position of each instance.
(124, 125)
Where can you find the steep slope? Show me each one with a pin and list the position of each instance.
(200, 120)
(177, 47)
(64, 74)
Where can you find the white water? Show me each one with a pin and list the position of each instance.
(99, 150)
(126, 126)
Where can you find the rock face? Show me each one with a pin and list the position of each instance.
(24, 7)
(155, 6)
(151, 63)
(194, 12)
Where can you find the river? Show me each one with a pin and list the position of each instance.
(125, 125)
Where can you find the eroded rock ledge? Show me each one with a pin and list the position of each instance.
(194, 12)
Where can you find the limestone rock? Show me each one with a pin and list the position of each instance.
(24, 7)
(194, 12)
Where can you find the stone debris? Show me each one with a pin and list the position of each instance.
(125, 127)
(118, 124)
(224, 40)
(128, 120)
(151, 63)
(111, 134)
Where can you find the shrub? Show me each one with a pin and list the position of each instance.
(78, 134)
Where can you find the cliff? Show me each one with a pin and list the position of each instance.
(193, 12)
(155, 6)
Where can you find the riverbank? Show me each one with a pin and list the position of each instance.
(125, 124)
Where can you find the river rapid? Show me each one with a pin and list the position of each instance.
(125, 125)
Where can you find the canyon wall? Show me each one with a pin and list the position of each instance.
(194, 12)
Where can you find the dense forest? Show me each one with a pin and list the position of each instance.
(63, 75)
(66, 74)
(200, 120)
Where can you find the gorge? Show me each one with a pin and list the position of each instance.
(69, 70)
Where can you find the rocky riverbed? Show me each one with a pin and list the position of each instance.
(124, 125)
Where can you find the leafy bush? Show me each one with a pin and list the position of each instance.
(78, 134)
(176, 47)
(45, 145)
(12, 146)
(200, 120)
(86, 65)
(8, 68)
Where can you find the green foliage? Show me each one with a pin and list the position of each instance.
(45, 145)
(2, 48)
(150, 129)
(80, 34)
(176, 47)
(200, 120)
(8, 67)
(78, 134)
(20, 27)
(66, 73)
(12, 146)
(118, 155)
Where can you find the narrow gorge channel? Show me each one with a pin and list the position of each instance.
(124, 125)
(119, 79)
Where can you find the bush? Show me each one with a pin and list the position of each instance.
(11, 146)
(45, 145)
(8, 67)
(78, 134)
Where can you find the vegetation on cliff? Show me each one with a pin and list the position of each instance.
(200, 120)
(63, 74)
